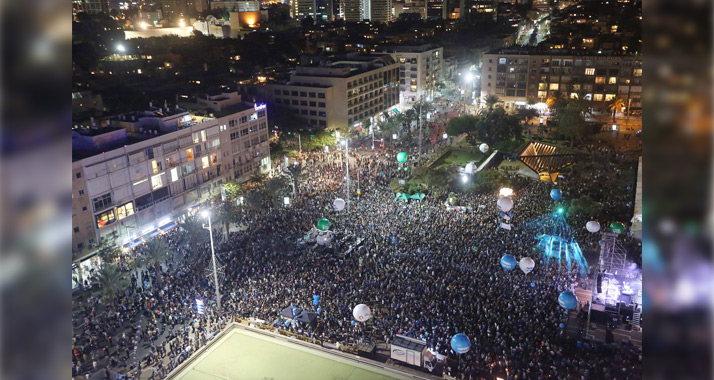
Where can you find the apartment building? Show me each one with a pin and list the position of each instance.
(420, 68)
(341, 93)
(519, 76)
(144, 170)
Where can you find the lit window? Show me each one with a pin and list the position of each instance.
(204, 162)
(600, 80)
(214, 159)
(554, 86)
(638, 72)
(542, 94)
(203, 135)
(573, 95)
(609, 97)
(156, 181)
(174, 174)
(597, 97)
(542, 86)
(105, 218)
(154, 166)
(590, 71)
(189, 153)
(196, 138)
(612, 80)
(254, 116)
(125, 210)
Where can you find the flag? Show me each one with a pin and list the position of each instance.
(505, 226)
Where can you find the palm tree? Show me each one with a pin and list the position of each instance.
(156, 252)
(253, 199)
(274, 187)
(615, 105)
(295, 172)
(194, 229)
(256, 178)
(227, 213)
(111, 280)
(491, 101)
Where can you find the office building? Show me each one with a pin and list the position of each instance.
(237, 6)
(341, 93)
(90, 6)
(420, 68)
(351, 10)
(380, 10)
(516, 76)
(146, 169)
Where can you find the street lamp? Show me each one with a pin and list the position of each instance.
(206, 214)
(120, 48)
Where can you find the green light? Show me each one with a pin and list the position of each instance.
(560, 210)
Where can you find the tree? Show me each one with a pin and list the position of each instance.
(486, 181)
(491, 101)
(227, 213)
(111, 280)
(497, 126)
(256, 178)
(463, 124)
(615, 105)
(253, 199)
(585, 206)
(274, 188)
(295, 172)
(233, 190)
(195, 232)
(107, 250)
(398, 187)
(570, 122)
(156, 252)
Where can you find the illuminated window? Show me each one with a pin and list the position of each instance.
(203, 135)
(105, 218)
(542, 86)
(573, 95)
(590, 71)
(189, 153)
(554, 86)
(600, 80)
(609, 97)
(612, 80)
(156, 181)
(125, 210)
(174, 174)
(196, 137)
(204, 162)
(253, 116)
(638, 72)
(502, 61)
(542, 94)
(154, 166)
(216, 143)
(597, 97)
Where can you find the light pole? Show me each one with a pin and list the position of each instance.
(207, 215)
(347, 162)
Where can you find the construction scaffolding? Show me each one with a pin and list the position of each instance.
(613, 258)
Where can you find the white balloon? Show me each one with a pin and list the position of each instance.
(483, 148)
(339, 204)
(592, 226)
(469, 169)
(321, 239)
(526, 264)
(505, 204)
(361, 313)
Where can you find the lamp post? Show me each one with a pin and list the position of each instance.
(347, 162)
(207, 215)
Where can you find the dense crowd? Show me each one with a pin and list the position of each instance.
(424, 271)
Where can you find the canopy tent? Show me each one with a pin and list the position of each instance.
(300, 315)
(404, 197)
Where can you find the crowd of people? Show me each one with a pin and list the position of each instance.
(425, 272)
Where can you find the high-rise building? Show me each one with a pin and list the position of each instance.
(146, 169)
(90, 6)
(517, 76)
(381, 10)
(420, 68)
(351, 91)
(352, 10)
(237, 6)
